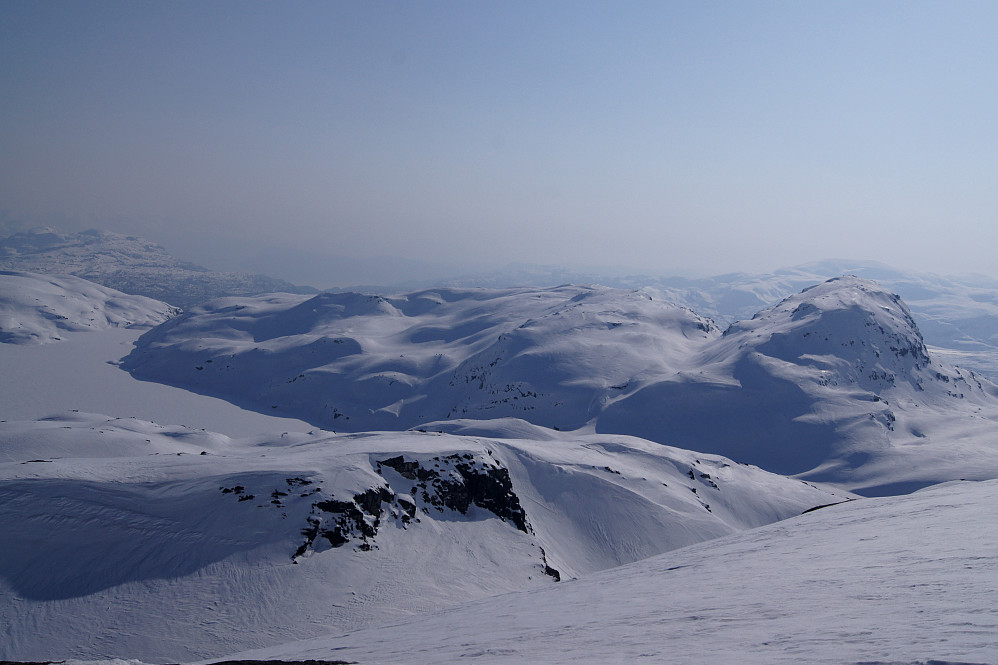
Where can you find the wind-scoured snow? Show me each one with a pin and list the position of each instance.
(132, 540)
(835, 383)
(37, 308)
(899, 580)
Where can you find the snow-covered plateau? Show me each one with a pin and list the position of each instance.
(493, 476)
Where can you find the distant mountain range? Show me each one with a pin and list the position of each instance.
(130, 264)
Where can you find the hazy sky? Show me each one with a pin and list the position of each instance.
(664, 136)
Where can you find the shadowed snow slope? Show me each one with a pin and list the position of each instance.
(35, 308)
(900, 580)
(835, 382)
(127, 539)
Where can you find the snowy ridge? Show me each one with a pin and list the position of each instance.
(36, 309)
(185, 544)
(835, 382)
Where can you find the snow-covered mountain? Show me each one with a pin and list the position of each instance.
(127, 539)
(353, 362)
(956, 313)
(36, 308)
(907, 580)
(835, 382)
(129, 264)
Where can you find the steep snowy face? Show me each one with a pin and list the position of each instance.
(834, 382)
(352, 362)
(35, 308)
(216, 544)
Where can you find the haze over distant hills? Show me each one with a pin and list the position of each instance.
(130, 264)
(958, 314)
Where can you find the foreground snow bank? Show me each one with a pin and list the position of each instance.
(128, 539)
(899, 580)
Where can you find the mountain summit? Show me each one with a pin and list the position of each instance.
(827, 381)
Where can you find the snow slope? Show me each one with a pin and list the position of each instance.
(899, 580)
(133, 540)
(352, 362)
(130, 264)
(35, 308)
(835, 382)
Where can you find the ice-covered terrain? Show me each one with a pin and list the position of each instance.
(130, 264)
(81, 373)
(835, 382)
(133, 540)
(892, 581)
(36, 308)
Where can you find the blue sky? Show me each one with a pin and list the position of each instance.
(672, 137)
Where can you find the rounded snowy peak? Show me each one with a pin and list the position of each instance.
(847, 317)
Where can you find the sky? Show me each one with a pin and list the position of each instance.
(666, 137)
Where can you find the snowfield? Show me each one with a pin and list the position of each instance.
(908, 579)
(133, 540)
(81, 373)
(36, 308)
(533, 494)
